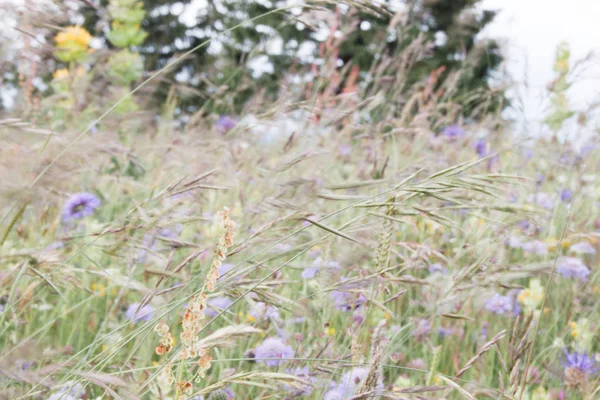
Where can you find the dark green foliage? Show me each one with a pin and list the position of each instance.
(459, 21)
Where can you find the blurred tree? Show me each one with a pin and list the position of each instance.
(253, 57)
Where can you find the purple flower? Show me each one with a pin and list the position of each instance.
(536, 247)
(422, 329)
(541, 199)
(578, 367)
(349, 384)
(311, 272)
(566, 196)
(218, 304)
(514, 242)
(272, 351)
(80, 205)
(344, 150)
(225, 123)
(499, 304)
(304, 390)
(444, 332)
(523, 224)
(539, 178)
(224, 269)
(583, 248)
(514, 295)
(143, 314)
(261, 310)
(528, 154)
(481, 148)
(572, 267)
(453, 132)
(347, 301)
(437, 268)
(70, 390)
(23, 364)
(587, 149)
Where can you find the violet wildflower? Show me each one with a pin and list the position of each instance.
(535, 246)
(304, 390)
(523, 224)
(349, 384)
(344, 150)
(317, 264)
(69, 391)
(23, 364)
(261, 310)
(586, 150)
(225, 123)
(272, 351)
(578, 367)
(539, 178)
(347, 301)
(311, 272)
(422, 329)
(445, 332)
(224, 269)
(453, 132)
(437, 268)
(484, 331)
(143, 314)
(514, 295)
(528, 154)
(541, 199)
(566, 196)
(217, 304)
(572, 267)
(417, 363)
(481, 147)
(582, 248)
(221, 394)
(499, 304)
(80, 205)
(514, 242)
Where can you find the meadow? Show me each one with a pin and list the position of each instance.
(326, 248)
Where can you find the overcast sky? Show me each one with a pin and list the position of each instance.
(533, 29)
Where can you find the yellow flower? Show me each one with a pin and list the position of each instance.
(553, 242)
(73, 36)
(99, 289)
(250, 318)
(574, 331)
(62, 73)
(330, 331)
(532, 296)
(72, 44)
